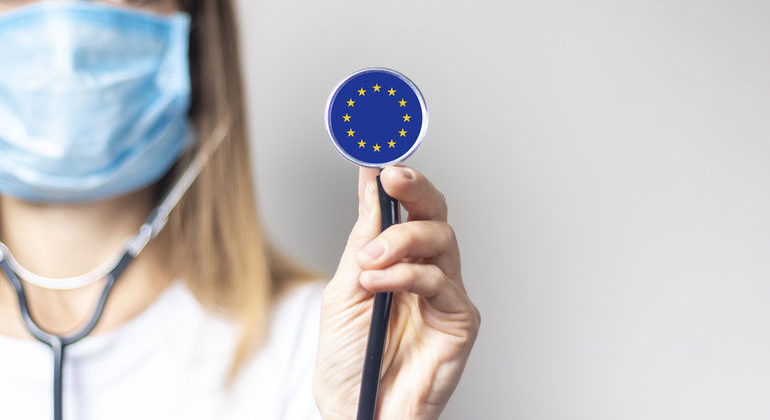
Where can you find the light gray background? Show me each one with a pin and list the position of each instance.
(607, 166)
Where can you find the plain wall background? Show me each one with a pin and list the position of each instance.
(607, 166)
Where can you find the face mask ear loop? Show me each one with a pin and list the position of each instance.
(148, 230)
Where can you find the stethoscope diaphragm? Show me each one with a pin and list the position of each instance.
(376, 117)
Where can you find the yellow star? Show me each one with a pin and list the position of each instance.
(391, 143)
(392, 92)
(346, 117)
(361, 92)
(361, 143)
(376, 147)
(376, 87)
(351, 102)
(351, 132)
(402, 102)
(402, 132)
(407, 118)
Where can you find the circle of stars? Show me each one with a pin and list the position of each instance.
(351, 104)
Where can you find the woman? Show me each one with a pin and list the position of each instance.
(99, 103)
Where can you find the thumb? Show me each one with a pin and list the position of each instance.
(366, 228)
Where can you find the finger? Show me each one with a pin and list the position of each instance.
(367, 178)
(366, 227)
(426, 280)
(424, 239)
(418, 196)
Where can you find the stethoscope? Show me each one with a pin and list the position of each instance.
(337, 126)
(111, 271)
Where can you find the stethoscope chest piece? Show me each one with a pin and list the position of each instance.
(376, 117)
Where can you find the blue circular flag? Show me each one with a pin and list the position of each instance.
(376, 117)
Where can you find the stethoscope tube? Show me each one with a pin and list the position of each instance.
(58, 344)
(390, 215)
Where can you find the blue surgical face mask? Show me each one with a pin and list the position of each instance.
(93, 99)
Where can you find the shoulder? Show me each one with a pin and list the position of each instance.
(297, 308)
(283, 368)
(295, 323)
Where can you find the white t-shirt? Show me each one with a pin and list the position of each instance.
(171, 362)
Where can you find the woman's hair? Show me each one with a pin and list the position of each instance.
(213, 238)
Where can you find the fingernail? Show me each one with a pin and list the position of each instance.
(373, 250)
(406, 173)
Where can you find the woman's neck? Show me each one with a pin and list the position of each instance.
(65, 240)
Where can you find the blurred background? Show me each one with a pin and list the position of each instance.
(607, 167)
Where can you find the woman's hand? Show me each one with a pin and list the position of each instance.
(433, 323)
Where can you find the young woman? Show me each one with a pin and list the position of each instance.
(103, 105)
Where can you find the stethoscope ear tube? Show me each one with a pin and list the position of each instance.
(390, 214)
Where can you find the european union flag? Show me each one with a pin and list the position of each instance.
(376, 117)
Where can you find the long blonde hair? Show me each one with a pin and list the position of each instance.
(214, 239)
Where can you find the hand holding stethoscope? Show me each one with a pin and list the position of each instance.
(403, 274)
(433, 321)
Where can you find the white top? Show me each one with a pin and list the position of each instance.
(171, 362)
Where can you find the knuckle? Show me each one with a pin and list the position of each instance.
(405, 274)
(401, 271)
(427, 278)
(360, 235)
(436, 273)
(407, 233)
(442, 201)
(477, 317)
(450, 236)
(436, 278)
(418, 176)
(412, 272)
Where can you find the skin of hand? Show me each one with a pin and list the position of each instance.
(433, 322)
